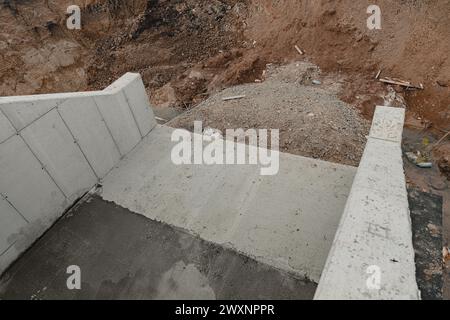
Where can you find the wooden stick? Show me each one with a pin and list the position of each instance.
(400, 83)
(442, 139)
(233, 98)
(298, 50)
(378, 74)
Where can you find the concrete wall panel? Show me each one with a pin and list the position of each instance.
(6, 129)
(10, 224)
(54, 146)
(86, 124)
(28, 187)
(119, 119)
(139, 104)
(66, 141)
(24, 112)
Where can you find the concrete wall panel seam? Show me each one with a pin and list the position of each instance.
(33, 121)
(7, 249)
(132, 113)
(107, 128)
(78, 145)
(5, 197)
(44, 167)
(10, 123)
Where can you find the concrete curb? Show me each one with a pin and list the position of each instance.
(56, 147)
(372, 256)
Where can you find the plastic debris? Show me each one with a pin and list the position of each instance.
(419, 160)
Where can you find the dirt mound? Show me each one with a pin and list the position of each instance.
(312, 120)
(188, 50)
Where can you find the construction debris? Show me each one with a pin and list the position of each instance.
(299, 50)
(233, 98)
(419, 160)
(160, 119)
(378, 74)
(402, 83)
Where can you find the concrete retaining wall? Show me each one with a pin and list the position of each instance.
(372, 256)
(55, 147)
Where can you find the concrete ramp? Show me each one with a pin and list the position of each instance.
(287, 220)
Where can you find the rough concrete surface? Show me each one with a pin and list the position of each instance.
(56, 147)
(372, 256)
(127, 256)
(287, 220)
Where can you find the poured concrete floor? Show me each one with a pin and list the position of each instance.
(123, 255)
(287, 220)
(161, 231)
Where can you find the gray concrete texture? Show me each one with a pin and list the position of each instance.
(50, 155)
(55, 147)
(287, 220)
(123, 255)
(375, 230)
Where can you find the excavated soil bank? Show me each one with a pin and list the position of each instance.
(188, 49)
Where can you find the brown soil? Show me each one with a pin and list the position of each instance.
(187, 50)
(230, 41)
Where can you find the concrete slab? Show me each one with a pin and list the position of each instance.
(6, 129)
(287, 220)
(32, 192)
(26, 185)
(54, 146)
(11, 227)
(87, 126)
(122, 255)
(387, 124)
(12, 222)
(119, 119)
